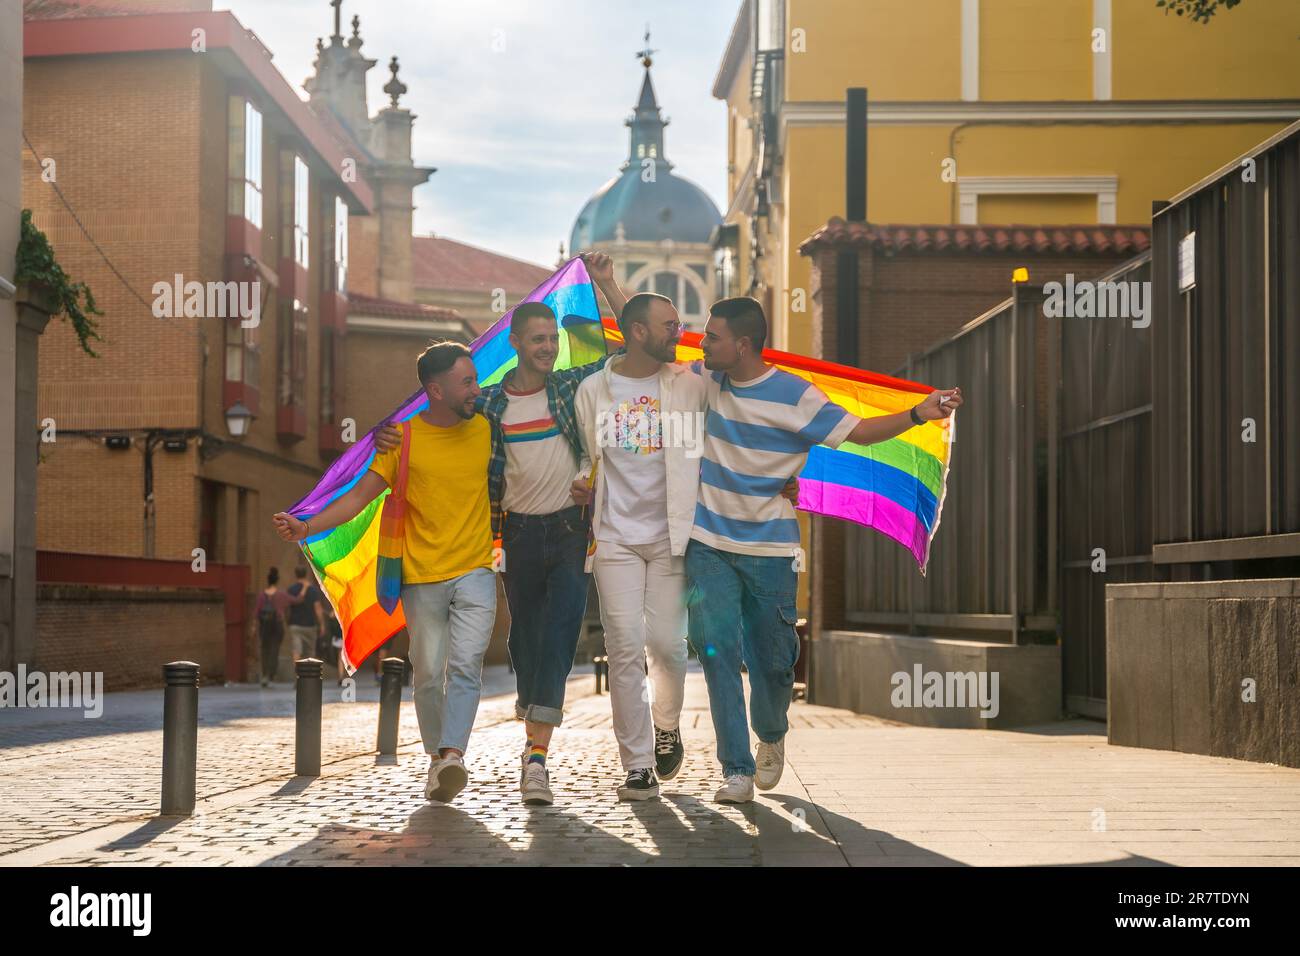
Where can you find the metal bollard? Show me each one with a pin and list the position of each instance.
(390, 704)
(180, 737)
(601, 666)
(307, 717)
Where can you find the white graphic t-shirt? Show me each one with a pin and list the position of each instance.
(636, 479)
(539, 461)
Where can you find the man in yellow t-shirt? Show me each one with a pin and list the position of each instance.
(449, 591)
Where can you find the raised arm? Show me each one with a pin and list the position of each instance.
(936, 405)
(338, 512)
(601, 269)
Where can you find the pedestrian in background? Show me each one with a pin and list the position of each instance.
(306, 619)
(269, 618)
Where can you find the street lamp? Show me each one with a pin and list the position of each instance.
(238, 418)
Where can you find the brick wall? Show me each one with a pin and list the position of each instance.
(128, 633)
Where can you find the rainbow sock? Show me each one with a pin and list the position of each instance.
(536, 754)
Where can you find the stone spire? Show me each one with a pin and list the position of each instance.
(646, 122)
(339, 77)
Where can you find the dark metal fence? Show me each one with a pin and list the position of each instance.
(1227, 363)
(1139, 439)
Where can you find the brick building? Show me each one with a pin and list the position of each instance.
(164, 145)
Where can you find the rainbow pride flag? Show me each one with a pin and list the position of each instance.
(896, 487)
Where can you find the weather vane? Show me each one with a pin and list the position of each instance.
(645, 54)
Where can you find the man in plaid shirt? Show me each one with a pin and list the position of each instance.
(540, 533)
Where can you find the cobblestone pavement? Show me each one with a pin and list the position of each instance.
(856, 791)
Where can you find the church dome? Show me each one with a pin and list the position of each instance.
(648, 208)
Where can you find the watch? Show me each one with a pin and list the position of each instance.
(916, 419)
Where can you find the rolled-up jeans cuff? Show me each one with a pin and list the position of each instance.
(543, 715)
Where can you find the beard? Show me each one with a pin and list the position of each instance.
(664, 352)
(466, 411)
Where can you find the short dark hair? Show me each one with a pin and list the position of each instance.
(300, 571)
(744, 317)
(272, 576)
(439, 357)
(529, 310)
(637, 309)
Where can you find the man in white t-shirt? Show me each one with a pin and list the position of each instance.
(641, 421)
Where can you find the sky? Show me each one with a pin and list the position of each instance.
(520, 104)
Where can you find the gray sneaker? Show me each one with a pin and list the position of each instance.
(770, 759)
(447, 777)
(536, 787)
(737, 788)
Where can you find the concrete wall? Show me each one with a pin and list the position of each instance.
(1178, 659)
(854, 670)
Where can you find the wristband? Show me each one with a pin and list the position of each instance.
(916, 419)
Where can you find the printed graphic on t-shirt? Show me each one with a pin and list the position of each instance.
(636, 426)
(536, 430)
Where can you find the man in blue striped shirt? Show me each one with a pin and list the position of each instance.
(741, 561)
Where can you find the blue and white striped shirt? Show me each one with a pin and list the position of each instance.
(757, 437)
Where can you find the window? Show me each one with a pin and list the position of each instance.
(632, 269)
(340, 270)
(244, 166)
(327, 375)
(666, 284)
(293, 208)
(291, 354)
(242, 358)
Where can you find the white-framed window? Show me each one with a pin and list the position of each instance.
(340, 244)
(244, 168)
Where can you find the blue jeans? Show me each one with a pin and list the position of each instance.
(742, 608)
(450, 623)
(546, 589)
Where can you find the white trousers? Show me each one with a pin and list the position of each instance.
(643, 611)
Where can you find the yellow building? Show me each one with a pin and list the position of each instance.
(980, 111)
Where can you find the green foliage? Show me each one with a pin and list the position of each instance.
(36, 265)
(1198, 11)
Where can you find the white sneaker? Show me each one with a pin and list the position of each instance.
(536, 787)
(447, 777)
(737, 788)
(771, 761)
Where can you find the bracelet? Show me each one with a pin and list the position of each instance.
(307, 529)
(916, 419)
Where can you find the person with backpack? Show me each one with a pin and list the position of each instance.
(269, 618)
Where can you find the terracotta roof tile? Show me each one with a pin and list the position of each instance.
(438, 263)
(390, 309)
(981, 240)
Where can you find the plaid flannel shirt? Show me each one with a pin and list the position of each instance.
(561, 390)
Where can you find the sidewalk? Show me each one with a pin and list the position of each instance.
(856, 791)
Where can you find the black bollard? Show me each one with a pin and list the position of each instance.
(307, 718)
(601, 664)
(390, 704)
(180, 737)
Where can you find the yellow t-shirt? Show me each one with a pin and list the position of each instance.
(448, 518)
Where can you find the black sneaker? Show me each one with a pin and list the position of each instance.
(639, 785)
(669, 753)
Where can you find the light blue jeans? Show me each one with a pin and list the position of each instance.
(742, 610)
(450, 623)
